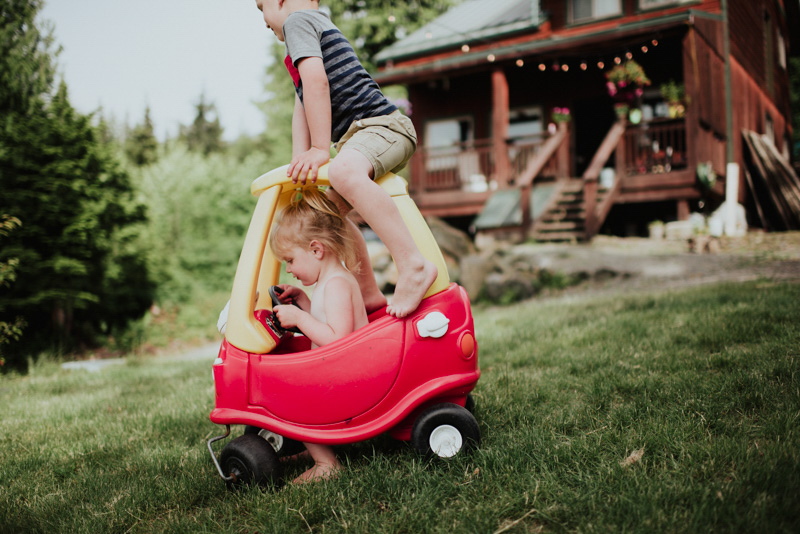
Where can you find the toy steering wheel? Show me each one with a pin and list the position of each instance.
(274, 293)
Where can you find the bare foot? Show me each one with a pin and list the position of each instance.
(412, 284)
(320, 471)
(305, 455)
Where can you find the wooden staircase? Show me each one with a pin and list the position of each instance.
(556, 210)
(565, 217)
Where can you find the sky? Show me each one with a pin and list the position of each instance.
(125, 55)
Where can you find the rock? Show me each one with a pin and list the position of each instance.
(506, 288)
(474, 271)
(450, 240)
(453, 267)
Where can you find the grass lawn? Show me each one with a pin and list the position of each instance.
(674, 411)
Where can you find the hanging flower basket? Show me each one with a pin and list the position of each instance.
(626, 81)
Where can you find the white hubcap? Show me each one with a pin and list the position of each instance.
(276, 440)
(445, 441)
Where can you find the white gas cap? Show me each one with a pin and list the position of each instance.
(433, 325)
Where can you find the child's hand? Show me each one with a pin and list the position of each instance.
(306, 164)
(293, 295)
(288, 315)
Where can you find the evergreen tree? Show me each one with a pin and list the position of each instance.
(204, 135)
(141, 145)
(77, 273)
(10, 330)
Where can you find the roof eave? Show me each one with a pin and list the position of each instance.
(543, 46)
(438, 45)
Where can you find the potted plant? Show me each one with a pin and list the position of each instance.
(625, 83)
(674, 95)
(561, 115)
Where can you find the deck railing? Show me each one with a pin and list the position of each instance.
(468, 166)
(655, 147)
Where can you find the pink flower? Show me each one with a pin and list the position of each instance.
(565, 111)
(639, 91)
(612, 89)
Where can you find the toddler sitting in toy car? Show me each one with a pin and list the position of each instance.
(311, 237)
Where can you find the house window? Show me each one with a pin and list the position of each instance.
(585, 10)
(448, 132)
(781, 51)
(769, 129)
(525, 122)
(649, 4)
(445, 140)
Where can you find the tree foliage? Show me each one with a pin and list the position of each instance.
(372, 25)
(204, 135)
(78, 273)
(141, 145)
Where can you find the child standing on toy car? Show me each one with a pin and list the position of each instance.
(312, 238)
(336, 100)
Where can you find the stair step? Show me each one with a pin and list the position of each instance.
(559, 226)
(558, 236)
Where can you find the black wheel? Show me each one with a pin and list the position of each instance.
(470, 404)
(250, 460)
(445, 430)
(283, 446)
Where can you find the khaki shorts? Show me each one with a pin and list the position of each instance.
(388, 141)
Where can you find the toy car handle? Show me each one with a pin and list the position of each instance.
(278, 177)
(274, 293)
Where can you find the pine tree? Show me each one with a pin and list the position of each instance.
(76, 275)
(141, 145)
(204, 135)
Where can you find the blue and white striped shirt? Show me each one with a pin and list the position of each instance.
(354, 94)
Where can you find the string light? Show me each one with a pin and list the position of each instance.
(491, 58)
(465, 48)
(392, 18)
(558, 66)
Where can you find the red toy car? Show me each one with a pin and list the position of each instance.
(411, 377)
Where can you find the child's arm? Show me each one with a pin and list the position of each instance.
(301, 138)
(317, 108)
(339, 313)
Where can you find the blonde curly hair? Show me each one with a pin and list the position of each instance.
(312, 215)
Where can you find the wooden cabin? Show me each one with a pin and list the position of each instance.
(488, 82)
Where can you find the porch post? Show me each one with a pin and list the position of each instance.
(500, 117)
(562, 155)
(691, 78)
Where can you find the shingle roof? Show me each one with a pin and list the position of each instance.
(467, 22)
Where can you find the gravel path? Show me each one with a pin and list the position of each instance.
(613, 264)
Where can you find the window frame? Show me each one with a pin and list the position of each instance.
(593, 18)
(659, 4)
